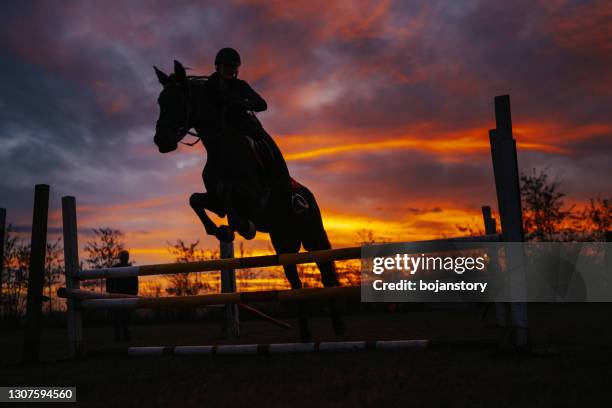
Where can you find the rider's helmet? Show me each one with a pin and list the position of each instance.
(227, 56)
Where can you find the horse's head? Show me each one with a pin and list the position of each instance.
(174, 108)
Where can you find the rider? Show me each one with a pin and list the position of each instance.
(238, 100)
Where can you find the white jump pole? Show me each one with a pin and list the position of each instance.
(297, 348)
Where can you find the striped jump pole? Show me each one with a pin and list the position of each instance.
(296, 348)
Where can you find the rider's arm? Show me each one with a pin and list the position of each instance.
(252, 100)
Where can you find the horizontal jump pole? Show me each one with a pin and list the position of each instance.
(224, 298)
(88, 294)
(295, 348)
(81, 294)
(219, 264)
(327, 255)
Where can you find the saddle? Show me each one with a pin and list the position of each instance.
(266, 157)
(263, 155)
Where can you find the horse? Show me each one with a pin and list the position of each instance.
(236, 185)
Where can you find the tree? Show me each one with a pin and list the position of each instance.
(247, 275)
(103, 250)
(595, 219)
(16, 265)
(350, 271)
(54, 269)
(543, 216)
(185, 284)
(470, 229)
(367, 237)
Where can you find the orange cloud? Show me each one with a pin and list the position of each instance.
(442, 146)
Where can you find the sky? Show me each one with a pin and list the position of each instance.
(381, 108)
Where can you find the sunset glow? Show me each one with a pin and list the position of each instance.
(382, 109)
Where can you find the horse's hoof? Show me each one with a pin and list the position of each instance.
(249, 232)
(225, 234)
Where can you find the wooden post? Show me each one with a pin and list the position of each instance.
(38, 248)
(2, 233)
(505, 168)
(491, 228)
(231, 324)
(71, 263)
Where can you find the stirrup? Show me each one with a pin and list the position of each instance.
(299, 203)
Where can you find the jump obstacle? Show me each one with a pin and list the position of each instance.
(296, 348)
(514, 316)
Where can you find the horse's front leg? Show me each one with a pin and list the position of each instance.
(228, 193)
(200, 202)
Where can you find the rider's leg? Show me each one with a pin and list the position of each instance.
(281, 178)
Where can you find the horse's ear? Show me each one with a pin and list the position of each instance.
(179, 71)
(163, 78)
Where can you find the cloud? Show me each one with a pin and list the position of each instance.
(385, 103)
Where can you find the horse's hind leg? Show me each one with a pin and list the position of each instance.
(314, 238)
(288, 243)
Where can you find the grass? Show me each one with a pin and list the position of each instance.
(570, 365)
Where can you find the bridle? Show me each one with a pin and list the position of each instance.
(182, 131)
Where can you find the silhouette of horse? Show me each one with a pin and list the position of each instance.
(236, 185)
